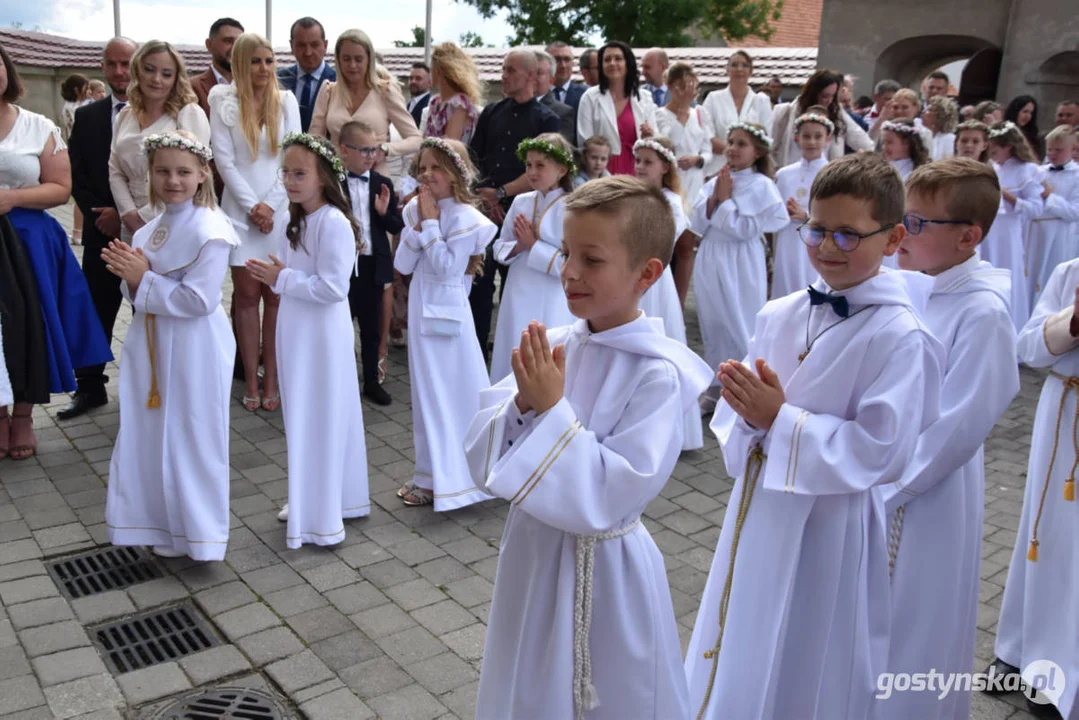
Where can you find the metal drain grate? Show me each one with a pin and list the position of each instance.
(112, 568)
(154, 637)
(228, 702)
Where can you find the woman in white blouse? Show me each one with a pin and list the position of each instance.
(248, 120)
(159, 98)
(615, 108)
(940, 117)
(737, 102)
(822, 88)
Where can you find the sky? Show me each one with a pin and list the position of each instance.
(187, 21)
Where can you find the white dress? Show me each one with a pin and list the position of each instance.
(904, 167)
(693, 138)
(791, 269)
(807, 621)
(249, 180)
(7, 397)
(533, 284)
(444, 359)
(320, 389)
(578, 478)
(729, 274)
(169, 474)
(942, 146)
(942, 491)
(756, 108)
(1054, 235)
(1037, 616)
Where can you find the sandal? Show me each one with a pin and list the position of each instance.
(24, 451)
(382, 368)
(271, 402)
(405, 489)
(417, 497)
(251, 404)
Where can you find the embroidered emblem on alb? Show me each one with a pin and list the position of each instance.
(159, 237)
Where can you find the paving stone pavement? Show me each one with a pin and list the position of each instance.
(390, 623)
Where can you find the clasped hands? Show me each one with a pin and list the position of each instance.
(126, 263)
(540, 372)
(757, 398)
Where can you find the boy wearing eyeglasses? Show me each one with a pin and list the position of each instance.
(374, 205)
(829, 403)
(936, 507)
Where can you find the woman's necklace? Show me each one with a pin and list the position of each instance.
(811, 343)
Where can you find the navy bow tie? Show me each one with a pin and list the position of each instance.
(359, 177)
(1056, 168)
(838, 302)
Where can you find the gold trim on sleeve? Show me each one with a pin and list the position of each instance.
(543, 472)
(544, 461)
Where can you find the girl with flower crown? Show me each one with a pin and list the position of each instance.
(320, 389)
(731, 214)
(169, 476)
(903, 146)
(442, 248)
(531, 244)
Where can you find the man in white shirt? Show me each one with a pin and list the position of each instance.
(883, 93)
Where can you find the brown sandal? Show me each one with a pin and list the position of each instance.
(25, 451)
(418, 497)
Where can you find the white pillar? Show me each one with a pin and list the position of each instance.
(427, 37)
(116, 17)
(269, 20)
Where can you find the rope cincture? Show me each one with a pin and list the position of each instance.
(753, 472)
(1070, 384)
(895, 535)
(154, 400)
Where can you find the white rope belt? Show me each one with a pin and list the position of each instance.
(584, 693)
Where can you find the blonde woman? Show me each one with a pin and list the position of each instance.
(160, 99)
(940, 117)
(360, 94)
(453, 113)
(248, 120)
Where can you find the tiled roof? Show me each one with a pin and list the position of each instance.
(792, 65)
(798, 26)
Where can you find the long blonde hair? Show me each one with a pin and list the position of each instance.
(459, 189)
(456, 68)
(671, 179)
(181, 94)
(254, 117)
(371, 80)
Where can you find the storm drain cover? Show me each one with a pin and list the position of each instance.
(154, 637)
(112, 568)
(227, 702)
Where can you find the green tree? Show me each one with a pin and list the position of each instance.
(641, 23)
(470, 39)
(419, 36)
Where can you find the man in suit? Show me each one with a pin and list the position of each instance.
(565, 88)
(88, 149)
(308, 41)
(590, 67)
(223, 34)
(654, 68)
(374, 205)
(419, 87)
(567, 116)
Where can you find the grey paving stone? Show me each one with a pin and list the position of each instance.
(7, 634)
(225, 597)
(270, 645)
(14, 530)
(354, 598)
(330, 576)
(151, 683)
(27, 589)
(470, 549)
(410, 646)
(319, 624)
(339, 704)
(19, 550)
(206, 575)
(68, 665)
(49, 639)
(382, 621)
(415, 594)
(83, 696)
(467, 642)
(252, 557)
(375, 677)
(268, 579)
(388, 573)
(246, 620)
(94, 609)
(19, 570)
(471, 591)
(315, 691)
(41, 712)
(299, 672)
(409, 703)
(462, 700)
(442, 673)
(415, 551)
(109, 714)
(443, 617)
(345, 650)
(294, 600)
(20, 693)
(13, 662)
(157, 592)
(362, 554)
(214, 664)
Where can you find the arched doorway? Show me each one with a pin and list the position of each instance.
(909, 60)
(1057, 78)
(980, 77)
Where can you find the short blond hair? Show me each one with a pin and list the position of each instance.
(1065, 133)
(646, 221)
(970, 188)
(597, 141)
(909, 95)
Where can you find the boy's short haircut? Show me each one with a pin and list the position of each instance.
(865, 176)
(971, 189)
(679, 71)
(96, 85)
(353, 128)
(1061, 133)
(596, 141)
(909, 95)
(646, 222)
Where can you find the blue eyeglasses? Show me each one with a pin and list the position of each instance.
(915, 225)
(845, 240)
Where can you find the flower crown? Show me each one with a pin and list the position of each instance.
(176, 141)
(972, 125)
(898, 127)
(319, 147)
(454, 156)
(815, 118)
(553, 151)
(650, 144)
(752, 130)
(1003, 129)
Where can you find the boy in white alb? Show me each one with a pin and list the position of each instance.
(794, 620)
(1055, 232)
(935, 511)
(580, 439)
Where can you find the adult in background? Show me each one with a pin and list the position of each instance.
(501, 128)
(654, 66)
(565, 88)
(565, 113)
(735, 103)
(589, 64)
(91, 142)
(774, 90)
(307, 38)
(883, 92)
(1023, 111)
(49, 323)
(223, 34)
(453, 113)
(988, 112)
(617, 109)
(1067, 113)
(419, 90)
(75, 90)
(936, 83)
(360, 94)
(822, 88)
(846, 101)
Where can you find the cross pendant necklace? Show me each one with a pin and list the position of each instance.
(810, 343)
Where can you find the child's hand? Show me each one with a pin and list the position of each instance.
(1009, 197)
(724, 185)
(646, 130)
(795, 210)
(125, 263)
(540, 373)
(1047, 191)
(526, 234)
(382, 201)
(266, 272)
(756, 399)
(687, 162)
(427, 205)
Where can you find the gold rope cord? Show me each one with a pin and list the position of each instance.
(1070, 384)
(154, 400)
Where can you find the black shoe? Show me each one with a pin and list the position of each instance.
(376, 394)
(1000, 669)
(82, 403)
(1043, 710)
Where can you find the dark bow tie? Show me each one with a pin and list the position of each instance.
(1056, 168)
(358, 177)
(838, 302)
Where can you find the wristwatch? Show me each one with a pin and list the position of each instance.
(500, 192)
(700, 161)
(385, 149)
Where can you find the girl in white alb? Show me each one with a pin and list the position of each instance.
(903, 147)
(169, 474)
(531, 244)
(731, 214)
(320, 389)
(442, 248)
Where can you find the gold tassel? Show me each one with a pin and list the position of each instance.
(1032, 553)
(1069, 489)
(154, 401)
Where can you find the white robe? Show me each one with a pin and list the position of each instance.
(169, 474)
(729, 275)
(320, 390)
(807, 628)
(935, 581)
(1054, 235)
(756, 108)
(589, 465)
(534, 282)
(942, 146)
(444, 359)
(1006, 244)
(693, 138)
(1037, 616)
(791, 269)
(7, 396)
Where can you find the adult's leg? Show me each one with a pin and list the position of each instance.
(23, 442)
(271, 302)
(105, 293)
(76, 228)
(683, 268)
(482, 300)
(246, 319)
(385, 320)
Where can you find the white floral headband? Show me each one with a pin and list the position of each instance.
(900, 128)
(815, 118)
(176, 141)
(458, 161)
(1003, 129)
(320, 147)
(657, 148)
(752, 130)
